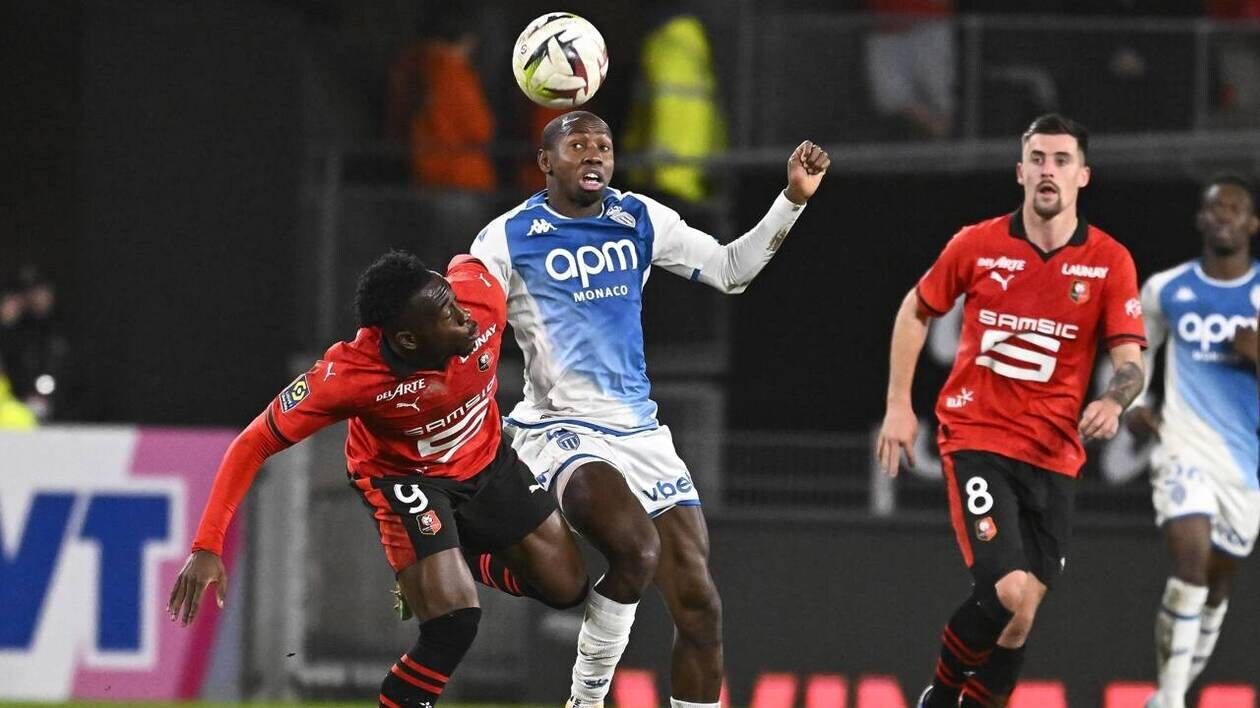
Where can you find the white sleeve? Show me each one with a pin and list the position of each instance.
(693, 254)
(490, 247)
(1156, 331)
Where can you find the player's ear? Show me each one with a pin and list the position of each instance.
(544, 161)
(406, 340)
(1019, 172)
(1083, 179)
(1253, 224)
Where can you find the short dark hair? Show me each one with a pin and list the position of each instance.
(1055, 124)
(386, 286)
(562, 124)
(1231, 178)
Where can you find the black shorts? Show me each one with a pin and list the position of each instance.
(1008, 515)
(419, 516)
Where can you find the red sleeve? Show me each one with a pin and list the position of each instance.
(236, 473)
(1121, 305)
(320, 397)
(311, 402)
(948, 277)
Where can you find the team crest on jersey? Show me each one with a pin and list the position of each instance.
(1079, 291)
(429, 523)
(483, 361)
(986, 529)
(1133, 307)
(621, 216)
(565, 438)
(293, 394)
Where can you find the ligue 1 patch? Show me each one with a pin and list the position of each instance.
(429, 523)
(483, 361)
(986, 529)
(1079, 292)
(294, 394)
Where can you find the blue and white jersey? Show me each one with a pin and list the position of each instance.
(575, 295)
(1211, 412)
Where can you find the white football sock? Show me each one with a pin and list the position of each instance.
(675, 703)
(1176, 635)
(604, 635)
(1209, 630)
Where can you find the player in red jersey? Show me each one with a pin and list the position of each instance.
(425, 452)
(1043, 290)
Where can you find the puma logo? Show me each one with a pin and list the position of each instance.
(1004, 282)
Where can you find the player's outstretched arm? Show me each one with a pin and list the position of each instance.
(202, 569)
(693, 254)
(241, 462)
(1101, 418)
(901, 426)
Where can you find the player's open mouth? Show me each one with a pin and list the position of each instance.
(1047, 189)
(592, 180)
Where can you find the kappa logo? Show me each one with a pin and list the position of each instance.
(1184, 294)
(540, 226)
(1004, 282)
(621, 216)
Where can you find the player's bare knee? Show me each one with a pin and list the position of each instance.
(635, 558)
(1011, 590)
(698, 613)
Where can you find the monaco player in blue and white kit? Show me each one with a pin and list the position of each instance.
(574, 259)
(1203, 472)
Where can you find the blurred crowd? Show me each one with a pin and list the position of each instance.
(35, 373)
(438, 101)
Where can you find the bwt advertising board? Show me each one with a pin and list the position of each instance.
(95, 524)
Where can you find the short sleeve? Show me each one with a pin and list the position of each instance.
(948, 277)
(313, 400)
(490, 247)
(1122, 305)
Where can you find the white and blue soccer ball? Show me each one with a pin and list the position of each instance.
(560, 60)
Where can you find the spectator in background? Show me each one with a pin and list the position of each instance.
(436, 102)
(13, 415)
(1237, 64)
(38, 359)
(910, 64)
(677, 87)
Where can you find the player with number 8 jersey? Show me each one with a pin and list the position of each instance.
(1042, 291)
(1032, 324)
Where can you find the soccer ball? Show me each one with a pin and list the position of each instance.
(560, 60)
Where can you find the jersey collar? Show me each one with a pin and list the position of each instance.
(1017, 230)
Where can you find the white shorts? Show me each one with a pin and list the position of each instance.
(647, 460)
(1180, 487)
